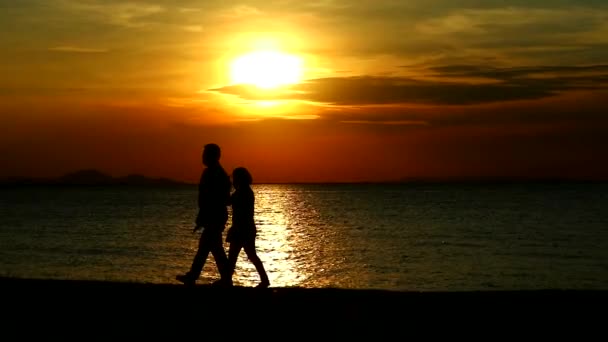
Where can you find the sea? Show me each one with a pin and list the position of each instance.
(400, 237)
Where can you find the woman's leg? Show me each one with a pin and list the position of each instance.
(233, 255)
(249, 247)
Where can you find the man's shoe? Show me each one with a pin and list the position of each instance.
(186, 279)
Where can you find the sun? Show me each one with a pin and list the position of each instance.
(266, 69)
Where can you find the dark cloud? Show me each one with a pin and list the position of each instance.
(518, 72)
(574, 109)
(510, 84)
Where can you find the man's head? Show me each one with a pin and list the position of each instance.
(211, 154)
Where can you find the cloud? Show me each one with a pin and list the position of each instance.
(128, 14)
(463, 29)
(192, 28)
(392, 122)
(511, 74)
(77, 49)
(509, 84)
(239, 12)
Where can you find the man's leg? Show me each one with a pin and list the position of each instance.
(198, 263)
(221, 260)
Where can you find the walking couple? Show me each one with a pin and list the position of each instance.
(213, 198)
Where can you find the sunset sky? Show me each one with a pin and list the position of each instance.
(352, 91)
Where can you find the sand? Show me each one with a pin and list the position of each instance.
(144, 310)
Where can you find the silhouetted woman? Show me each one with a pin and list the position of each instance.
(243, 231)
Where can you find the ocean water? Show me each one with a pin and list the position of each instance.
(414, 237)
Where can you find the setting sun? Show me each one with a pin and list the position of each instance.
(266, 69)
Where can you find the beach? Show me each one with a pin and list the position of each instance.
(143, 309)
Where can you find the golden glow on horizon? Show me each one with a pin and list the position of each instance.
(266, 69)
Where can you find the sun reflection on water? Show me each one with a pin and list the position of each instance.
(299, 241)
(277, 243)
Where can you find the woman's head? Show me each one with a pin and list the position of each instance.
(241, 177)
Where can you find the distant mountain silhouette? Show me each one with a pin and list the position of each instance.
(91, 177)
(494, 180)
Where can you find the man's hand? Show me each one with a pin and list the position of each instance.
(197, 227)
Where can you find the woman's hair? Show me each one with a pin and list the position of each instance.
(241, 175)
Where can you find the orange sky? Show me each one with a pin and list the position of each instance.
(388, 90)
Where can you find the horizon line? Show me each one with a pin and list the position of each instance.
(429, 179)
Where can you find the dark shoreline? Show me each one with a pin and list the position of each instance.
(94, 302)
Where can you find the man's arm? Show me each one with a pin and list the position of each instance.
(202, 189)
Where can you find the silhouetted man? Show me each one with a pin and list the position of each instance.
(213, 196)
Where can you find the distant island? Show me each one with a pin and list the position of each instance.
(92, 178)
